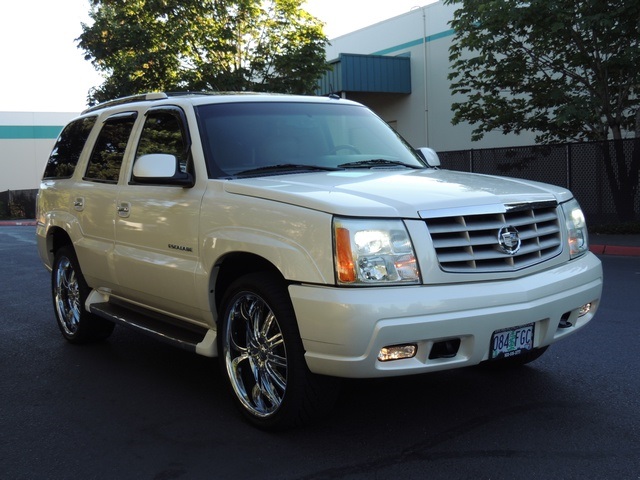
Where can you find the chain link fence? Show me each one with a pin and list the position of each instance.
(579, 167)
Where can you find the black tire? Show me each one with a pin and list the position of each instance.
(516, 361)
(70, 291)
(262, 356)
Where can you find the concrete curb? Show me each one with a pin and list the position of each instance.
(622, 250)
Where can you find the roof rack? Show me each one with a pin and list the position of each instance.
(191, 92)
(130, 99)
(144, 97)
(161, 96)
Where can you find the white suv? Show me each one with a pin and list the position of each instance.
(300, 239)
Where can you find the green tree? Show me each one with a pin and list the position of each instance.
(167, 45)
(564, 69)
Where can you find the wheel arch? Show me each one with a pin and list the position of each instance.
(57, 230)
(230, 253)
(56, 238)
(231, 267)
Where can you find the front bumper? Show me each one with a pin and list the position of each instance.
(343, 329)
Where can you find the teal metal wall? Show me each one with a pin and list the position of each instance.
(27, 132)
(367, 73)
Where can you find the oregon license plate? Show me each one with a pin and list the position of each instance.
(511, 341)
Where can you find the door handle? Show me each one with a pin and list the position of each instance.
(78, 204)
(124, 209)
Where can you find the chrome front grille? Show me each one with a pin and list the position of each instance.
(470, 242)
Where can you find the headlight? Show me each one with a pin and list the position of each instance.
(370, 252)
(576, 228)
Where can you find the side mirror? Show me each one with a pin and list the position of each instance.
(430, 155)
(160, 169)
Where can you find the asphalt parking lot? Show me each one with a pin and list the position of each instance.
(132, 407)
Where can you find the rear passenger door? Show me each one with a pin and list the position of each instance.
(94, 199)
(157, 225)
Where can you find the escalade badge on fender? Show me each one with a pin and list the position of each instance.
(509, 240)
(180, 247)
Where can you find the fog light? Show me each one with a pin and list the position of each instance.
(397, 352)
(586, 308)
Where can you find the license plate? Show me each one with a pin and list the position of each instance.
(511, 341)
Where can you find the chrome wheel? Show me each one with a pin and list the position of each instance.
(66, 291)
(255, 354)
(69, 292)
(262, 355)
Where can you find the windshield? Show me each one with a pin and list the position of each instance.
(267, 138)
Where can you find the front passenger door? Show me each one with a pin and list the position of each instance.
(157, 225)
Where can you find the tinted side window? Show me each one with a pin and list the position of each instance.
(163, 132)
(66, 152)
(108, 152)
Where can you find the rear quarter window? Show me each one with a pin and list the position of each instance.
(66, 152)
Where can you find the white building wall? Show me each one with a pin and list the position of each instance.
(422, 33)
(23, 158)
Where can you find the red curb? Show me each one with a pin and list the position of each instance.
(621, 250)
(615, 250)
(17, 223)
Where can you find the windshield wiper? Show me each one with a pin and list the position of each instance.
(377, 162)
(287, 167)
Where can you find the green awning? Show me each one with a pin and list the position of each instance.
(367, 73)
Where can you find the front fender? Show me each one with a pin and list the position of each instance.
(292, 259)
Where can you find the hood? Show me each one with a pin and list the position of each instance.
(393, 193)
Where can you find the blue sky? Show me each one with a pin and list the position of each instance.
(44, 71)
